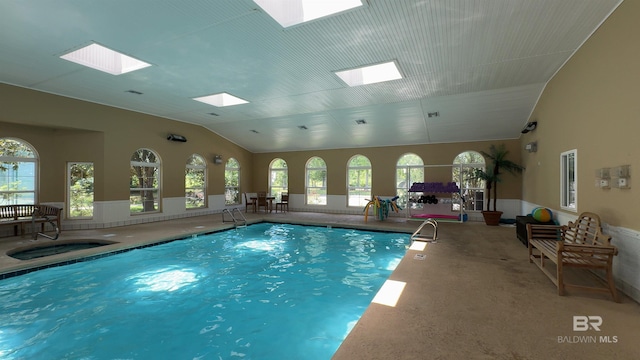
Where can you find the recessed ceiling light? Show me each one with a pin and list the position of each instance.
(361, 121)
(220, 100)
(104, 59)
(291, 12)
(370, 74)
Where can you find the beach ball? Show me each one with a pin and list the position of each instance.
(542, 214)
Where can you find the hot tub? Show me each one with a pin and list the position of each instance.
(55, 247)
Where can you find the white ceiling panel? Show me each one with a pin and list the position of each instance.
(481, 64)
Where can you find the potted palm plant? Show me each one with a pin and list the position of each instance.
(497, 162)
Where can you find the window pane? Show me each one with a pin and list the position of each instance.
(316, 196)
(359, 181)
(316, 186)
(18, 168)
(568, 180)
(232, 182)
(194, 182)
(278, 178)
(409, 169)
(144, 183)
(80, 200)
(471, 190)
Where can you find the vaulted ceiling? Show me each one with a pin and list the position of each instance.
(480, 65)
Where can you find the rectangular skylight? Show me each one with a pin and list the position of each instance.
(370, 74)
(291, 12)
(221, 100)
(104, 59)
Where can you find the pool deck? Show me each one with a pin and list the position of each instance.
(473, 295)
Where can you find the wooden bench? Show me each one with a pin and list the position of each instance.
(580, 244)
(18, 215)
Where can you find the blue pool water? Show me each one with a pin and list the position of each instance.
(263, 292)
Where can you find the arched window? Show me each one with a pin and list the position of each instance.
(359, 181)
(409, 169)
(18, 172)
(316, 182)
(232, 182)
(278, 177)
(195, 185)
(471, 190)
(144, 184)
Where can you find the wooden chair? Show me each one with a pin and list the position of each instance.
(248, 201)
(262, 201)
(283, 203)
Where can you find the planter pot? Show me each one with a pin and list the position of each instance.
(492, 218)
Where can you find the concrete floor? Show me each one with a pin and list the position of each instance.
(473, 296)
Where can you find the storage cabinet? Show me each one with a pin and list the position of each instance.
(521, 227)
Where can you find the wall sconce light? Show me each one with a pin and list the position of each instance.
(176, 137)
(531, 147)
(217, 159)
(530, 127)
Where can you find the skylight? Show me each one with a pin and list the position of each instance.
(291, 12)
(104, 59)
(221, 100)
(370, 74)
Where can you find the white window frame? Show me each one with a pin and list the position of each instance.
(362, 201)
(403, 191)
(158, 190)
(196, 189)
(70, 191)
(228, 188)
(274, 189)
(466, 169)
(309, 189)
(19, 159)
(569, 180)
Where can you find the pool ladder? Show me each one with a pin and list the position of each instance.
(240, 221)
(38, 214)
(418, 236)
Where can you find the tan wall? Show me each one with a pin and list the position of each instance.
(63, 130)
(592, 105)
(383, 164)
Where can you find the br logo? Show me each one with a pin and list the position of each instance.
(585, 323)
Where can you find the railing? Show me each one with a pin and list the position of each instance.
(239, 220)
(38, 214)
(417, 235)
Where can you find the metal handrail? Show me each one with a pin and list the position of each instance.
(417, 235)
(37, 213)
(242, 221)
(237, 222)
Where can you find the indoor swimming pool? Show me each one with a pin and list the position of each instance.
(267, 291)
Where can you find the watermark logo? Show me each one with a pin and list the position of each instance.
(586, 323)
(582, 323)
